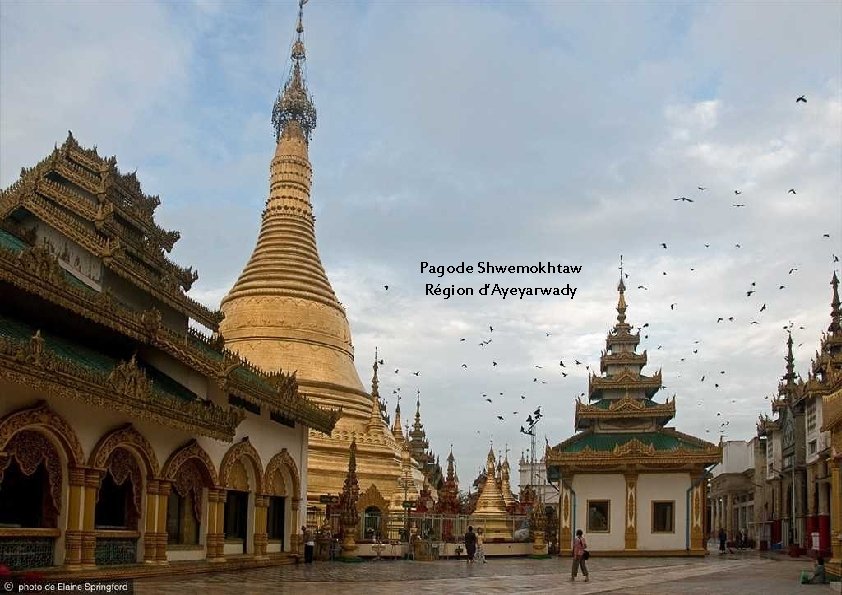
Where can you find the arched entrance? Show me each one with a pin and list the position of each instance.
(40, 463)
(281, 491)
(188, 480)
(128, 467)
(241, 474)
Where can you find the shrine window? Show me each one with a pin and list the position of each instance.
(275, 518)
(112, 504)
(236, 514)
(663, 517)
(599, 515)
(182, 522)
(24, 499)
(371, 523)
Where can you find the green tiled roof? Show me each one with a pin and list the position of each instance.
(10, 242)
(89, 359)
(210, 351)
(606, 403)
(607, 442)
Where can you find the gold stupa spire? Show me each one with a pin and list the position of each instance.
(282, 311)
(490, 510)
(397, 430)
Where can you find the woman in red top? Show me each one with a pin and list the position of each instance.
(580, 546)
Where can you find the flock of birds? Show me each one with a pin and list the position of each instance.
(510, 414)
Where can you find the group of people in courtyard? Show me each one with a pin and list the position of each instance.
(476, 553)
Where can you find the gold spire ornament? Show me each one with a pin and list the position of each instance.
(490, 511)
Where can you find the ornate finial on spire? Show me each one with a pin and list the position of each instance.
(835, 313)
(418, 405)
(790, 360)
(294, 103)
(375, 383)
(621, 302)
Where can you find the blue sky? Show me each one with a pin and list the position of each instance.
(510, 132)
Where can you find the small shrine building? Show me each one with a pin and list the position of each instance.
(631, 484)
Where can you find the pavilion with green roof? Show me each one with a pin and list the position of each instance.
(634, 486)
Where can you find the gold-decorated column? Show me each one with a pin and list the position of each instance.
(631, 511)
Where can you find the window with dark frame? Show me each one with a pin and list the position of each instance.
(663, 517)
(598, 516)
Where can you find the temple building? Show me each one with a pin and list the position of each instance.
(283, 312)
(127, 437)
(801, 461)
(631, 484)
(785, 458)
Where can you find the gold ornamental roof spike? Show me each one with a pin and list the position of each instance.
(294, 110)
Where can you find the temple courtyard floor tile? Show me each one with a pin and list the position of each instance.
(636, 576)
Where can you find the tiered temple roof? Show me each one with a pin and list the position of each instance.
(621, 424)
(78, 242)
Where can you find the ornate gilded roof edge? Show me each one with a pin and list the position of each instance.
(124, 389)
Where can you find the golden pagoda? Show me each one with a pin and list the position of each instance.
(490, 511)
(283, 312)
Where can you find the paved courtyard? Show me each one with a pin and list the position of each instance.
(721, 575)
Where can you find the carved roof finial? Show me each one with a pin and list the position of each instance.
(375, 383)
(790, 360)
(835, 313)
(294, 103)
(621, 302)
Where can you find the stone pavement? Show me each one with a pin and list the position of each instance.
(720, 575)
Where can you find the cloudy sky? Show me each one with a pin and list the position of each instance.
(485, 131)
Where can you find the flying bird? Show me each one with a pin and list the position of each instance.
(417, 373)
(386, 287)
(763, 307)
(500, 417)
(827, 235)
(561, 363)
(493, 364)
(683, 199)
(464, 365)
(791, 191)
(490, 329)
(642, 287)
(664, 246)
(707, 245)
(462, 339)
(672, 306)
(702, 188)
(801, 99)
(749, 292)
(738, 191)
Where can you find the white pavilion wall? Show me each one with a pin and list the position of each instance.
(662, 487)
(611, 487)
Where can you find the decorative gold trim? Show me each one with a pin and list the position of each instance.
(42, 418)
(191, 450)
(239, 451)
(127, 437)
(125, 389)
(284, 461)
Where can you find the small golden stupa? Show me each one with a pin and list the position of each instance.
(490, 511)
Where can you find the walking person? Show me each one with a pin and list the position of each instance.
(722, 539)
(580, 554)
(480, 557)
(470, 544)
